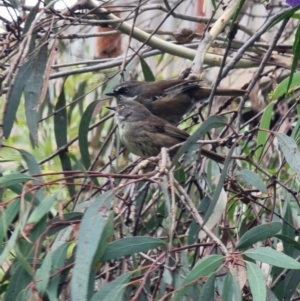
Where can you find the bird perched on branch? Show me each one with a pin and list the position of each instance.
(168, 99)
(144, 134)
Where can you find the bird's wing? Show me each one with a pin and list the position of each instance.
(158, 125)
(183, 86)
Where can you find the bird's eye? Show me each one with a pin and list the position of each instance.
(126, 90)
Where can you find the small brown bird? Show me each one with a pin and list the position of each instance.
(144, 134)
(168, 99)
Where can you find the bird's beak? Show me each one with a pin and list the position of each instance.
(110, 94)
(112, 108)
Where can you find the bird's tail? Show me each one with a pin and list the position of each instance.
(225, 92)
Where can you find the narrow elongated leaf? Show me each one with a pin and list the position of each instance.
(289, 241)
(208, 289)
(29, 197)
(227, 293)
(114, 290)
(61, 137)
(235, 286)
(23, 261)
(216, 207)
(281, 89)
(42, 209)
(290, 151)
(210, 123)
(58, 261)
(43, 274)
(17, 283)
(71, 216)
(33, 88)
(10, 245)
(272, 257)
(93, 223)
(256, 281)
(148, 74)
(296, 131)
(31, 16)
(235, 16)
(284, 16)
(7, 216)
(9, 180)
(14, 96)
(252, 178)
(289, 231)
(296, 52)
(194, 226)
(271, 296)
(78, 98)
(204, 267)
(264, 124)
(219, 198)
(83, 134)
(130, 245)
(33, 168)
(259, 233)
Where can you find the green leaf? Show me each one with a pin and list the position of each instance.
(14, 3)
(14, 96)
(210, 123)
(219, 194)
(282, 88)
(61, 137)
(33, 166)
(42, 209)
(70, 216)
(284, 16)
(235, 286)
(93, 223)
(228, 286)
(214, 5)
(9, 180)
(235, 16)
(204, 267)
(264, 124)
(272, 257)
(208, 289)
(289, 241)
(23, 261)
(83, 134)
(259, 233)
(33, 88)
(296, 52)
(252, 178)
(129, 246)
(31, 16)
(296, 131)
(114, 290)
(290, 151)
(18, 283)
(42, 275)
(194, 227)
(79, 99)
(58, 262)
(288, 230)
(148, 75)
(33, 169)
(9, 245)
(256, 281)
(7, 216)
